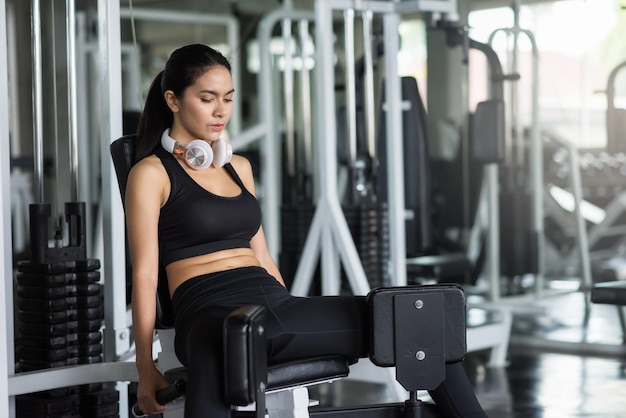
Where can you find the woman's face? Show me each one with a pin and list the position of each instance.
(204, 108)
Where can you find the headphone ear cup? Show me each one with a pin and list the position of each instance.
(222, 152)
(198, 154)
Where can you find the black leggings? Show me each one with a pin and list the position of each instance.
(296, 327)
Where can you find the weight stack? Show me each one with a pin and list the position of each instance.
(60, 312)
(369, 227)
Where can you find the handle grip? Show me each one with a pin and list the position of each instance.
(163, 396)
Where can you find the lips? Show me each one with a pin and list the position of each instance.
(217, 127)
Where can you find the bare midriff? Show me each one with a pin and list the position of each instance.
(182, 270)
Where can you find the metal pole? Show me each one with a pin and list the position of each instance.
(288, 98)
(395, 177)
(370, 113)
(7, 356)
(109, 81)
(37, 100)
(71, 95)
(350, 83)
(305, 87)
(536, 164)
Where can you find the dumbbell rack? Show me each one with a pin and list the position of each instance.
(60, 313)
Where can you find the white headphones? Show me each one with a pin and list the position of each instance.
(199, 154)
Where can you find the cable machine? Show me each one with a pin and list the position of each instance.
(329, 237)
(522, 177)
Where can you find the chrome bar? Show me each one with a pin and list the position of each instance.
(305, 96)
(37, 100)
(288, 98)
(350, 84)
(370, 113)
(71, 95)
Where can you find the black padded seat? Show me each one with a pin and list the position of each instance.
(292, 373)
(610, 293)
(308, 371)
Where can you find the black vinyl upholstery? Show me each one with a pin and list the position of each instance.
(383, 324)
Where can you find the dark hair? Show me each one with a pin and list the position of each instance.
(182, 69)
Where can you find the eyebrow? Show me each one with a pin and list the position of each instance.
(214, 93)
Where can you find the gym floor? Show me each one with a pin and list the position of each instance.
(556, 367)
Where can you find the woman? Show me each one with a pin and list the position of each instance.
(197, 215)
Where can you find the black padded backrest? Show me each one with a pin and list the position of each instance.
(123, 155)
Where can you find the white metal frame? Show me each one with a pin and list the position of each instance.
(6, 289)
(329, 235)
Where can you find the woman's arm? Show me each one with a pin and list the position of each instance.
(144, 196)
(258, 242)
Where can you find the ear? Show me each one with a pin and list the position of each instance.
(171, 100)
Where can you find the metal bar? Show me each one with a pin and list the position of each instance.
(70, 376)
(344, 245)
(492, 183)
(7, 356)
(37, 100)
(331, 283)
(288, 98)
(370, 113)
(232, 36)
(395, 164)
(581, 228)
(305, 95)
(446, 7)
(71, 95)
(350, 84)
(248, 136)
(172, 16)
(116, 332)
(11, 58)
(536, 167)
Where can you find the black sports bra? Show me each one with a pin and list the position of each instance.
(195, 221)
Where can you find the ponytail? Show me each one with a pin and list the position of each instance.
(155, 118)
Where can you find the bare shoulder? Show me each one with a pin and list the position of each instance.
(148, 168)
(148, 176)
(242, 166)
(244, 169)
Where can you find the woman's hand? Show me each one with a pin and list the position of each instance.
(149, 383)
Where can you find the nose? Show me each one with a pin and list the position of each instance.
(219, 109)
